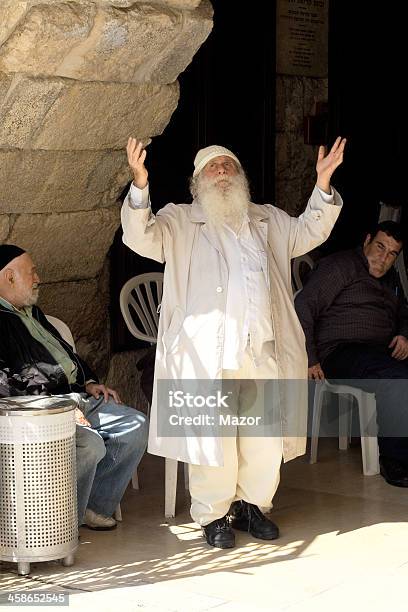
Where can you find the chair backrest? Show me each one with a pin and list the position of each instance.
(63, 330)
(140, 298)
(298, 270)
(393, 213)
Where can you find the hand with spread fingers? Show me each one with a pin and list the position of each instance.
(136, 155)
(400, 346)
(326, 164)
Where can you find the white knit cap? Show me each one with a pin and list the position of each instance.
(204, 155)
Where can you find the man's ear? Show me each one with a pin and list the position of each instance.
(9, 276)
(367, 240)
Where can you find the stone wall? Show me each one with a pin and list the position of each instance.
(295, 174)
(76, 79)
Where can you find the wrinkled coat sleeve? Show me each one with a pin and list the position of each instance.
(145, 233)
(314, 225)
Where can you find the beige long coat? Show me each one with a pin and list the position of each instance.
(191, 328)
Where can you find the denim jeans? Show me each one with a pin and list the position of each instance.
(107, 454)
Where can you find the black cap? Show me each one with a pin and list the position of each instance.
(8, 252)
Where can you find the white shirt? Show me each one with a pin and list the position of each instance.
(248, 313)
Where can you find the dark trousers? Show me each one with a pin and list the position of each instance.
(372, 369)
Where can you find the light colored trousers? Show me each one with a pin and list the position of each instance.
(251, 463)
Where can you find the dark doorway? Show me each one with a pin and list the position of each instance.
(227, 97)
(366, 70)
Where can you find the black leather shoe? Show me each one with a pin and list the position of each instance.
(248, 517)
(219, 534)
(394, 472)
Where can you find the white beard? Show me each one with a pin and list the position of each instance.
(30, 297)
(224, 199)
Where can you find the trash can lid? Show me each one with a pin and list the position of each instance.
(26, 405)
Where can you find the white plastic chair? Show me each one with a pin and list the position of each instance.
(366, 403)
(298, 264)
(140, 300)
(63, 329)
(139, 303)
(367, 415)
(393, 213)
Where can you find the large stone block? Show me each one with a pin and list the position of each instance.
(315, 90)
(140, 43)
(296, 97)
(5, 83)
(294, 157)
(11, 12)
(180, 4)
(67, 246)
(58, 181)
(122, 43)
(83, 306)
(23, 105)
(45, 36)
(143, 44)
(103, 115)
(289, 196)
(4, 227)
(63, 115)
(295, 172)
(196, 26)
(289, 103)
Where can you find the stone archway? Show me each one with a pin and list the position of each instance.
(76, 79)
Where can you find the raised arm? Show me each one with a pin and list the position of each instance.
(314, 225)
(143, 232)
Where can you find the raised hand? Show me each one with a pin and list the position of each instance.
(326, 164)
(136, 155)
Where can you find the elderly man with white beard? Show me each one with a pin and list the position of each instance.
(227, 314)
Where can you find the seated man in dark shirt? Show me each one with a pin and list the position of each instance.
(356, 326)
(35, 360)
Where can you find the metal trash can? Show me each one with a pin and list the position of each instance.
(38, 498)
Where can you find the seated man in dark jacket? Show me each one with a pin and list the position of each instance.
(356, 326)
(35, 360)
